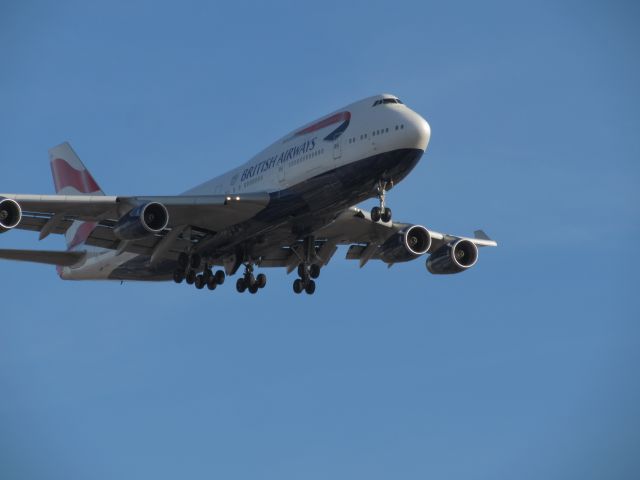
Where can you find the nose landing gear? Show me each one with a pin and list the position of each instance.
(382, 212)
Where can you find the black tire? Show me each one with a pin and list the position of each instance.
(314, 271)
(191, 277)
(261, 280)
(249, 279)
(220, 276)
(302, 270)
(297, 285)
(375, 214)
(253, 288)
(386, 215)
(178, 276)
(183, 261)
(310, 287)
(206, 273)
(241, 286)
(195, 261)
(200, 282)
(211, 283)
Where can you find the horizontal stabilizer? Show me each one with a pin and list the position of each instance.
(63, 259)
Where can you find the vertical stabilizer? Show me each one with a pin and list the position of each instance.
(71, 177)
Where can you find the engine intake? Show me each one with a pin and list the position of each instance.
(406, 245)
(455, 257)
(10, 214)
(142, 221)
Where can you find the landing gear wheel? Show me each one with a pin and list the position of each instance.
(241, 286)
(314, 271)
(211, 283)
(219, 276)
(178, 276)
(200, 282)
(261, 280)
(183, 261)
(386, 215)
(191, 277)
(253, 288)
(297, 285)
(375, 214)
(310, 287)
(302, 270)
(195, 261)
(206, 274)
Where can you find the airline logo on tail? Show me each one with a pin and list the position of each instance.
(68, 179)
(71, 177)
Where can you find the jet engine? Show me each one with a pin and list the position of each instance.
(454, 257)
(142, 221)
(10, 214)
(406, 245)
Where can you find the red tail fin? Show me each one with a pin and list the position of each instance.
(71, 177)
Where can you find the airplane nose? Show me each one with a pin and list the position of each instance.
(419, 130)
(424, 132)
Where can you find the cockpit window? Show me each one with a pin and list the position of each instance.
(386, 100)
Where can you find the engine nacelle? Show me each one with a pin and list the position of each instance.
(406, 245)
(454, 257)
(142, 221)
(10, 214)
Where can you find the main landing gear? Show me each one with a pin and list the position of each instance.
(187, 270)
(382, 212)
(249, 282)
(306, 273)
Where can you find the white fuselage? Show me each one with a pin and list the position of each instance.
(305, 153)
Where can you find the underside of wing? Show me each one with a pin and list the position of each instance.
(63, 259)
(400, 242)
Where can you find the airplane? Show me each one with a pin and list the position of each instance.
(290, 206)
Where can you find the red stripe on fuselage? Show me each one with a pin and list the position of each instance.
(338, 117)
(64, 175)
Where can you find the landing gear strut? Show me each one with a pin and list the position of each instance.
(249, 282)
(382, 212)
(307, 270)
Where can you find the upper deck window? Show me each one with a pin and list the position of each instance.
(386, 100)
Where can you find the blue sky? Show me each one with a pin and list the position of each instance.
(524, 367)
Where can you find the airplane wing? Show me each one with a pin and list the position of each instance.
(49, 214)
(355, 226)
(63, 259)
(367, 240)
(211, 212)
